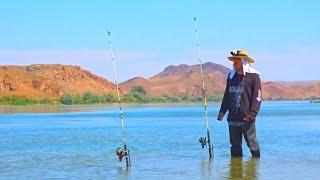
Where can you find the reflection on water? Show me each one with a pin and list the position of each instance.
(123, 172)
(239, 169)
(206, 169)
(52, 108)
(58, 108)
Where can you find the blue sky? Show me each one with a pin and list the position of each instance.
(283, 36)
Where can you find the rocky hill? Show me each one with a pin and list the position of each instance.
(291, 89)
(50, 80)
(53, 80)
(184, 80)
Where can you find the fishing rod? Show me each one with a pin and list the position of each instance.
(121, 152)
(205, 142)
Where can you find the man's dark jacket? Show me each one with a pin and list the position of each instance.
(242, 97)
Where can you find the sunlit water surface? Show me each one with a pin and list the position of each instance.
(79, 142)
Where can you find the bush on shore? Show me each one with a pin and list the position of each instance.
(136, 94)
(16, 100)
(87, 98)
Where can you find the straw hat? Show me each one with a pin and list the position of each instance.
(243, 54)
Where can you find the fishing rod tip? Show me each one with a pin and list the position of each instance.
(108, 32)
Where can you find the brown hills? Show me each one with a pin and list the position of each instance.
(49, 80)
(291, 89)
(52, 80)
(184, 80)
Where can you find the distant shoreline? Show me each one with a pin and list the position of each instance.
(60, 108)
(37, 103)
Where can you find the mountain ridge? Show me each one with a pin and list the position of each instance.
(185, 80)
(53, 80)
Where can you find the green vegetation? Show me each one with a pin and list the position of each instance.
(21, 101)
(217, 97)
(87, 98)
(45, 100)
(67, 98)
(16, 100)
(166, 99)
(136, 95)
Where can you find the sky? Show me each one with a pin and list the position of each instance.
(147, 36)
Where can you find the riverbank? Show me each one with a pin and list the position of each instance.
(136, 95)
(73, 100)
(60, 108)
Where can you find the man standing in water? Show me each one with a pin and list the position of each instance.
(242, 99)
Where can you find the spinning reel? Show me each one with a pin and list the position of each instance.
(203, 141)
(120, 153)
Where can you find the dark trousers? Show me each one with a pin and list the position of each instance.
(249, 133)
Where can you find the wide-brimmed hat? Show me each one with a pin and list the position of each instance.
(243, 54)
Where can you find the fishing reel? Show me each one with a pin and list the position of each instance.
(203, 141)
(120, 153)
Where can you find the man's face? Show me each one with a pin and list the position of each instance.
(237, 63)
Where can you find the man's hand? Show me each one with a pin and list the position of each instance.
(220, 117)
(246, 118)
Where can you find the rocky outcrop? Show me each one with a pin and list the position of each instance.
(50, 80)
